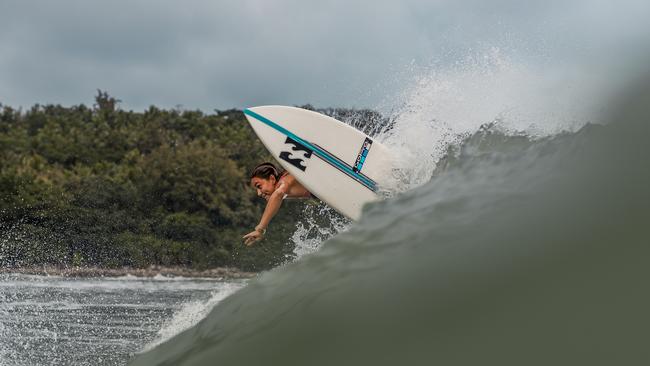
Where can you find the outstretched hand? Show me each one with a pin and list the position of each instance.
(252, 237)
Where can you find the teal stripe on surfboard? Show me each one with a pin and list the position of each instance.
(318, 151)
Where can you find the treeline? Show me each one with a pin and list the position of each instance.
(106, 187)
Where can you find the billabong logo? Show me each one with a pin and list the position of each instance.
(363, 154)
(292, 157)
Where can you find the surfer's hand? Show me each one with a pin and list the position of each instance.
(252, 237)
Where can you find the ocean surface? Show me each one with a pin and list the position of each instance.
(50, 320)
(516, 247)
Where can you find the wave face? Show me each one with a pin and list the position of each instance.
(519, 251)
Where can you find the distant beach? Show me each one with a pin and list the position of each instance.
(152, 271)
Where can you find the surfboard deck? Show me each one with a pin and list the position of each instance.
(339, 164)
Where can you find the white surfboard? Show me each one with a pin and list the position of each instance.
(337, 163)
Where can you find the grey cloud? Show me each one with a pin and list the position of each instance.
(221, 54)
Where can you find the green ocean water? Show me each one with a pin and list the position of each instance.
(519, 251)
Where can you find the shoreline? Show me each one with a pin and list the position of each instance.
(224, 273)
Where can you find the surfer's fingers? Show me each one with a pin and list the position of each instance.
(251, 238)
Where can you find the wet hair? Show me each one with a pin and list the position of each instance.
(265, 171)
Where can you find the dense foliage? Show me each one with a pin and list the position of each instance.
(106, 187)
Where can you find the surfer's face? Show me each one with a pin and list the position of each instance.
(264, 187)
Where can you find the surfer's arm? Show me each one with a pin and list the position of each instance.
(272, 207)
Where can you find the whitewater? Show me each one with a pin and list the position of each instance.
(53, 320)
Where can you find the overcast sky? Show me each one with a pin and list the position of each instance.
(211, 54)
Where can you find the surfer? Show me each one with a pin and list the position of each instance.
(274, 186)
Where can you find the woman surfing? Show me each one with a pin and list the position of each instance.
(274, 186)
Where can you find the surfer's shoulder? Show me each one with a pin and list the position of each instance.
(286, 178)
